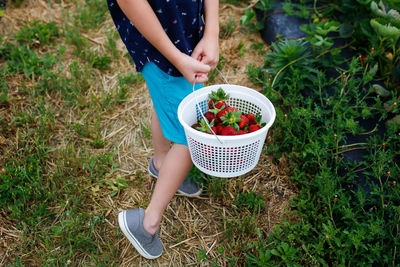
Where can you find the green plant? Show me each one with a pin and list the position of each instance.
(296, 9)
(240, 226)
(101, 62)
(249, 18)
(111, 43)
(216, 187)
(3, 88)
(22, 183)
(226, 30)
(241, 49)
(38, 32)
(252, 201)
(386, 25)
(318, 34)
(21, 59)
(289, 58)
(89, 14)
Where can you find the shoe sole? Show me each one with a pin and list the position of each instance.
(198, 193)
(124, 227)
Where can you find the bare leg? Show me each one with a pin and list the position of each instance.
(173, 171)
(161, 144)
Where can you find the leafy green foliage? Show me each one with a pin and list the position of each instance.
(90, 14)
(21, 59)
(346, 212)
(37, 32)
(251, 201)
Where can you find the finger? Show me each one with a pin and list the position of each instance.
(196, 53)
(210, 62)
(203, 68)
(201, 77)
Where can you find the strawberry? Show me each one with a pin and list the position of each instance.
(243, 122)
(228, 130)
(254, 127)
(216, 104)
(214, 129)
(210, 115)
(219, 128)
(217, 98)
(251, 118)
(223, 112)
(232, 118)
(242, 132)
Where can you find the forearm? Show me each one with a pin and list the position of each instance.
(140, 13)
(211, 9)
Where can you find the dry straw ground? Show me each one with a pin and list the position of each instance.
(188, 224)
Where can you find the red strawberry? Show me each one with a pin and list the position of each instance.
(251, 117)
(223, 112)
(254, 127)
(219, 128)
(231, 118)
(217, 98)
(211, 116)
(214, 129)
(228, 130)
(243, 122)
(242, 132)
(216, 104)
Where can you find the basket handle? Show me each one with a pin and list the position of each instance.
(201, 112)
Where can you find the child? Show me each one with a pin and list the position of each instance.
(173, 48)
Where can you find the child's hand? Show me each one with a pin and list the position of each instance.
(191, 68)
(207, 51)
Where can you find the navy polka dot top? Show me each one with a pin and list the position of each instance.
(181, 20)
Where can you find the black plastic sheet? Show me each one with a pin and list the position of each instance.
(277, 23)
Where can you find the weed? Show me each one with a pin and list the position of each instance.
(74, 37)
(3, 88)
(226, 30)
(252, 201)
(125, 85)
(241, 49)
(90, 14)
(111, 43)
(115, 185)
(21, 59)
(101, 62)
(238, 230)
(216, 187)
(145, 129)
(38, 32)
(79, 82)
(23, 182)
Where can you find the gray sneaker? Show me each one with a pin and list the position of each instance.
(187, 188)
(131, 224)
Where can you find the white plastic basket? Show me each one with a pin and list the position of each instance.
(226, 156)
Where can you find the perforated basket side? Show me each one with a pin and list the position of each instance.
(225, 161)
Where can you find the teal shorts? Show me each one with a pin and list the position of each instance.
(167, 92)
